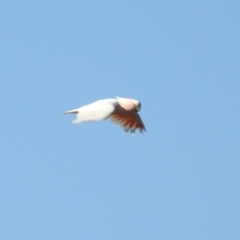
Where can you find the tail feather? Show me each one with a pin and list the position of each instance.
(71, 112)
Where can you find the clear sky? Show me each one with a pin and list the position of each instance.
(179, 180)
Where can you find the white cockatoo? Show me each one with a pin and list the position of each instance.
(121, 111)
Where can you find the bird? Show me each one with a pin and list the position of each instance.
(121, 111)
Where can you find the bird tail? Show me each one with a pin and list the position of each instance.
(75, 111)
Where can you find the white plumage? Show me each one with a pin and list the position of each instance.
(122, 111)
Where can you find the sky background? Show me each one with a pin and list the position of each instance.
(179, 180)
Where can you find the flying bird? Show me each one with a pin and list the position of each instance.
(121, 111)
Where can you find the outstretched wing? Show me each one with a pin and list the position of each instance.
(128, 120)
(96, 111)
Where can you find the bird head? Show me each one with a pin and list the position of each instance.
(130, 104)
(137, 105)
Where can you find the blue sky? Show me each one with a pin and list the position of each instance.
(179, 180)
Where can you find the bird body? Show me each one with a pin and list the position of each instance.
(122, 111)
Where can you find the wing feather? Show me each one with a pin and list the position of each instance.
(128, 120)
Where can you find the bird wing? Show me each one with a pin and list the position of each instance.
(128, 120)
(96, 111)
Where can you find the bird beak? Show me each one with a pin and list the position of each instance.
(137, 108)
